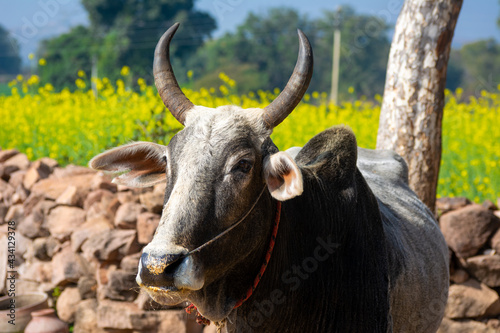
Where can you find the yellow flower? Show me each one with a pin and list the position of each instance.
(31, 56)
(125, 71)
(350, 90)
(190, 74)
(42, 62)
(19, 77)
(81, 73)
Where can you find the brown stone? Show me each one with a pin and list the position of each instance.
(124, 315)
(43, 247)
(3, 257)
(486, 268)
(146, 226)
(103, 181)
(70, 197)
(38, 271)
(89, 229)
(111, 245)
(3, 212)
(464, 326)
(17, 178)
(126, 215)
(38, 170)
(121, 286)
(20, 161)
(62, 220)
(97, 196)
(68, 267)
(7, 193)
(15, 213)
(72, 171)
(459, 276)
(488, 204)
(126, 196)
(87, 287)
(50, 162)
(447, 204)
(471, 299)
(130, 263)
(86, 318)
(32, 226)
(53, 186)
(20, 195)
(153, 201)
(67, 303)
(467, 229)
(6, 154)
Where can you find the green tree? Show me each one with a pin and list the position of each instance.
(10, 62)
(124, 33)
(267, 45)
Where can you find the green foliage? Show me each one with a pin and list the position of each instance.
(10, 61)
(122, 33)
(269, 43)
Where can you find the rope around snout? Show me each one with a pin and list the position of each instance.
(192, 308)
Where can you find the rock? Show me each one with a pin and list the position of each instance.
(447, 204)
(124, 315)
(38, 271)
(488, 204)
(17, 178)
(15, 213)
(20, 161)
(7, 193)
(20, 195)
(67, 303)
(494, 323)
(486, 268)
(3, 212)
(68, 267)
(72, 171)
(471, 299)
(62, 220)
(87, 287)
(467, 229)
(130, 263)
(86, 318)
(102, 181)
(153, 201)
(50, 162)
(121, 286)
(101, 203)
(126, 215)
(43, 248)
(465, 326)
(52, 187)
(111, 245)
(71, 197)
(495, 241)
(31, 202)
(146, 227)
(3, 257)
(97, 196)
(126, 196)
(459, 276)
(89, 229)
(38, 170)
(6, 154)
(32, 226)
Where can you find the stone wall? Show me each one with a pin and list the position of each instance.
(80, 234)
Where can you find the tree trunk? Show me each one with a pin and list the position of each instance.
(412, 108)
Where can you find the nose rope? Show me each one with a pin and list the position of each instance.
(199, 248)
(192, 308)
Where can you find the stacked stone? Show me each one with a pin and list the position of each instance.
(473, 237)
(80, 234)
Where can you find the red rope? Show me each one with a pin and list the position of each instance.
(202, 320)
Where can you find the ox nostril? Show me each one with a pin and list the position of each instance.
(156, 270)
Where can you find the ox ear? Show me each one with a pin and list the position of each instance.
(283, 176)
(139, 164)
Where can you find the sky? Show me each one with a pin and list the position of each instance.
(31, 21)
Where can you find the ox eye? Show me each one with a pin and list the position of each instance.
(243, 166)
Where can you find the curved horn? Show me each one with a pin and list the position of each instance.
(283, 105)
(168, 88)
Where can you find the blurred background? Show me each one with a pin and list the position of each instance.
(253, 42)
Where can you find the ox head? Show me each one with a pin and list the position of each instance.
(215, 169)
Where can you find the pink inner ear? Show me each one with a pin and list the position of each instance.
(275, 182)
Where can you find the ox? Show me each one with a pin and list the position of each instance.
(355, 250)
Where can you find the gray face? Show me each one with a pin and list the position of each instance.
(215, 169)
(214, 174)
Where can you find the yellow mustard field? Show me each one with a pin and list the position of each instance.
(72, 127)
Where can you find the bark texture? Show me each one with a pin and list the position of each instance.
(412, 108)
